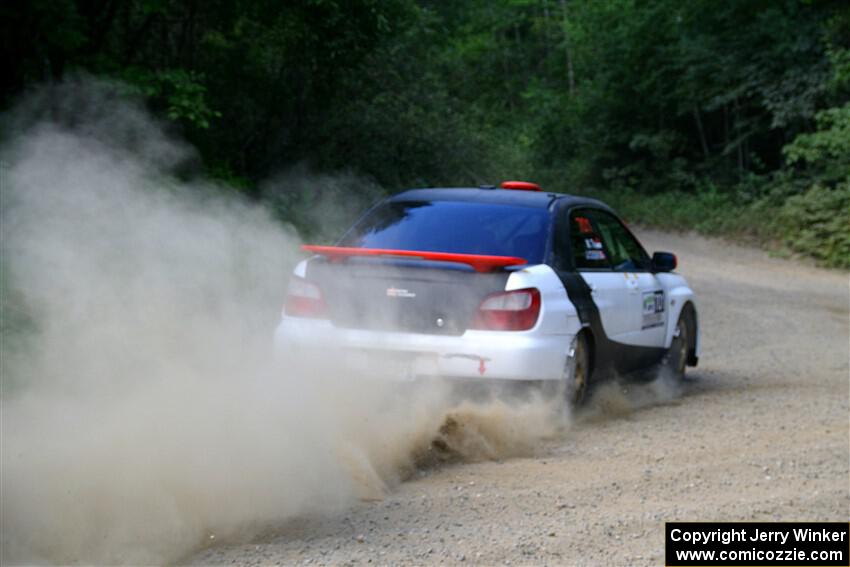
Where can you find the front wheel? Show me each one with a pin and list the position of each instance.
(677, 357)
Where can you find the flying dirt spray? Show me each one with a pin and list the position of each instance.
(140, 413)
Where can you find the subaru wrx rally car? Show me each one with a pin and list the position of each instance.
(492, 285)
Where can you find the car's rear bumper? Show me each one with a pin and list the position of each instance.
(317, 345)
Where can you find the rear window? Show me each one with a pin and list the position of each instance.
(454, 226)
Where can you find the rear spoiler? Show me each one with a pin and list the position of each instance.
(479, 262)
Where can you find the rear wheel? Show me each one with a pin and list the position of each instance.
(576, 376)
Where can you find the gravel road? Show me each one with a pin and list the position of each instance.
(759, 431)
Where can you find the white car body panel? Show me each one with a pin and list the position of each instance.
(677, 295)
(609, 293)
(539, 353)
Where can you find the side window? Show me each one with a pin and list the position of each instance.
(625, 252)
(585, 242)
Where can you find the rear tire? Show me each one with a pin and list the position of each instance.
(576, 377)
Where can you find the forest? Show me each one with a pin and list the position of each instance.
(727, 117)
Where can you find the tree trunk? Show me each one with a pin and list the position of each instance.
(703, 142)
(101, 26)
(504, 52)
(726, 130)
(571, 80)
(738, 141)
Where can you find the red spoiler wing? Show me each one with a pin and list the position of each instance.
(479, 262)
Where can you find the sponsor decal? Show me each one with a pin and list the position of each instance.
(584, 225)
(593, 243)
(653, 309)
(398, 292)
(594, 255)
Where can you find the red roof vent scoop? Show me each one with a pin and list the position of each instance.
(520, 186)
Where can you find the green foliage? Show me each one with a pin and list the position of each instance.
(840, 59)
(674, 110)
(828, 148)
(817, 224)
(825, 152)
(181, 93)
(223, 173)
(665, 87)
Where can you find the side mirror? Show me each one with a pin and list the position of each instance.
(663, 262)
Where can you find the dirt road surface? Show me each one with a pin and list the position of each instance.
(760, 431)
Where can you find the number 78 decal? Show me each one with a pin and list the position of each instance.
(653, 309)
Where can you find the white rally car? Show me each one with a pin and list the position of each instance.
(491, 285)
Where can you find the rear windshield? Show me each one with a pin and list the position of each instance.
(454, 226)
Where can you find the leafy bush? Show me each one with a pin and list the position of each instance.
(817, 224)
(827, 150)
(181, 94)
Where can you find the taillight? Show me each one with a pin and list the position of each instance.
(508, 311)
(304, 299)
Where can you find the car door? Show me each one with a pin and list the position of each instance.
(645, 294)
(610, 291)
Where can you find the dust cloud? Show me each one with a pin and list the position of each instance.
(613, 399)
(142, 416)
